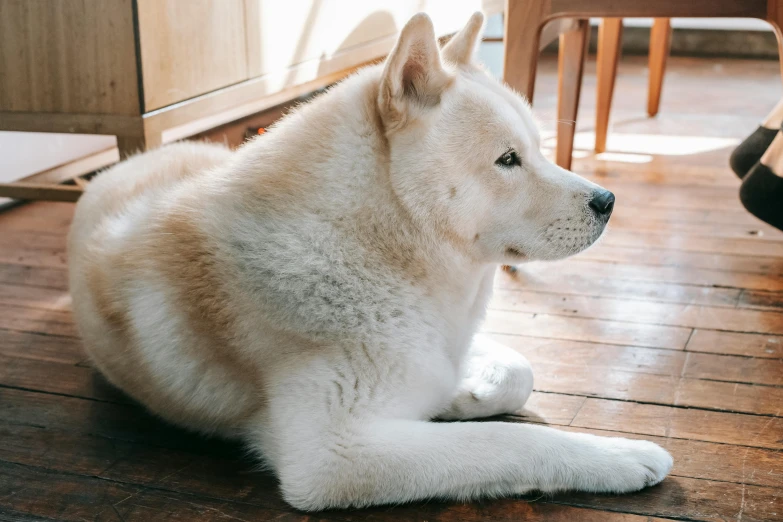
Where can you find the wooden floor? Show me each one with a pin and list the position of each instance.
(670, 330)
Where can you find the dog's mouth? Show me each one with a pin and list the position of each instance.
(513, 252)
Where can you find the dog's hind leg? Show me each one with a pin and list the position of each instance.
(496, 380)
(390, 461)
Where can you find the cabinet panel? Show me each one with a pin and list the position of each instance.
(190, 48)
(285, 33)
(68, 56)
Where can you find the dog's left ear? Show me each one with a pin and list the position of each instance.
(462, 47)
(413, 77)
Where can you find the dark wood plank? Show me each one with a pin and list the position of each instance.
(682, 423)
(127, 422)
(713, 461)
(66, 497)
(750, 345)
(612, 268)
(766, 300)
(733, 217)
(658, 389)
(534, 277)
(26, 275)
(705, 264)
(760, 231)
(47, 376)
(606, 267)
(34, 297)
(691, 499)
(550, 408)
(230, 477)
(601, 370)
(52, 322)
(689, 316)
(31, 256)
(38, 216)
(734, 369)
(694, 243)
(121, 419)
(595, 355)
(716, 367)
(43, 240)
(53, 348)
(594, 330)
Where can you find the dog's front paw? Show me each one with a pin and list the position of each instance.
(494, 389)
(627, 465)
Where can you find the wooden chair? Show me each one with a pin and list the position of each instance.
(524, 20)
(610, 34)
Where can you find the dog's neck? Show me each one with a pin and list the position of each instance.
(331, 159)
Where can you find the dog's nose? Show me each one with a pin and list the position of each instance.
(602, 202)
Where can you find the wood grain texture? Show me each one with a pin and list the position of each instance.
(610, 34)
(632, 311)
(594, 330)
(74, 56)
(682, 423)
(660, 42)
(667, 390)
(45, 277)
(48, 322)
(571, 62)
(576, 281)
(769, 300)
(190, 49)
(522, 34)
(750, 345)
(713, 461)
(25, 345)
(34, 191)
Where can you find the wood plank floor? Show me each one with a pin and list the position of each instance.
(670, 330)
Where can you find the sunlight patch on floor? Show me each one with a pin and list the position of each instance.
(656, 145)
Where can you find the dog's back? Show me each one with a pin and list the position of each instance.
(319, 291)
(112, 279)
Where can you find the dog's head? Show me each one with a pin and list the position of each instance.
(465, 155)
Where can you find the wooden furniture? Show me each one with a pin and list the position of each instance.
(155, 71)
(609, 43)
(524, 20)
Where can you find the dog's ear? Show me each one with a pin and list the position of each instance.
(462, 47)
(413, 76)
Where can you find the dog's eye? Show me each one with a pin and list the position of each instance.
(509, 159)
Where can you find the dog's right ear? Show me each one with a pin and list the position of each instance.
(462, 47)
(413, 76)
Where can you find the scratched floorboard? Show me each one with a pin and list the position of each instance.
(671, 330)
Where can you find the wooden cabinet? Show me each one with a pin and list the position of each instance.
(153, 71)
(68, 56)
(189, 48)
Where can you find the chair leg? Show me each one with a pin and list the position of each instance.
(775, 18)
(610, 34)
(573, 47)
(523, 22)
(660, 42)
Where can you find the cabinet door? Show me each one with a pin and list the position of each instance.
(281, 34)
(190, 48)
(68, 56)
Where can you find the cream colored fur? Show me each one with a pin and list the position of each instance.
(317, 292)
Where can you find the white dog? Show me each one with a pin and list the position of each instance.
(317, 293)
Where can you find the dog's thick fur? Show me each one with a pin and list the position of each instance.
(317, 293)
